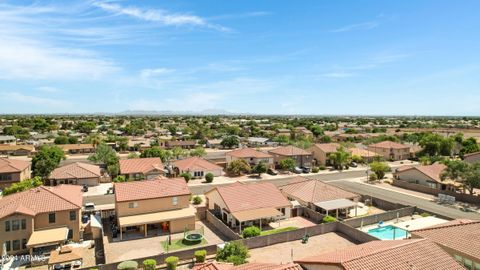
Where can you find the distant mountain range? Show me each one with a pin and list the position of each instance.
(203, 112)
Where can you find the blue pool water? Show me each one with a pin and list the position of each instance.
(388, 233)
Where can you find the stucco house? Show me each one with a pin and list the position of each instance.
(73, 149)
(303, 158)
(13, 171)
(153, 207)
(16, 150)
(366, 155)
(321, 151)
(240, 205)
(40, 219)
(251, 156)
(391, 150)
(196, 166)
(77, 173)
(142, 168)
(425, 175)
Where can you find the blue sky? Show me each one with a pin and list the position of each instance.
(267, 57)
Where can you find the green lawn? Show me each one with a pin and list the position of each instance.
(286, 229)
(182, 244)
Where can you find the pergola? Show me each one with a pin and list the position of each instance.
(64, 255)
(256, 214)
(336, 205)
(46, 238)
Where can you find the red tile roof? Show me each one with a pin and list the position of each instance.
(195, 164)
(460, 235)
(389, 145)
(8, 165)
(150, 189)
(240, 197)
(314, 191)
(140, 165)
(42, 200)
(327, 147)
(289, 150)
(77, 170)
(388, 255)
(432, 171)
(248, 153)
(247, 266)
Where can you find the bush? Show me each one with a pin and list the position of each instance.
(315, 169)
(186, 176)
(372, 177)
(128, 265)
(233, 252)
(200, 256)
(171, 262)
(236, 260)
(424, 214)
(197, 200)
(328, 219)
(322, 167)
(251, 231)
(209, 177)
(149, 264)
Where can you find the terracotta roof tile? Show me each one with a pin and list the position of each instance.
(150, 189)
(361, 152)
(8, 165)
(315, 191)
(389, 145)
(391, 255)
(327, 147)
(77, 170)
(432, 171)
(140, 165)
(247, 266)
(248, 153)
(78, 146)
(9, 147)
(289, 150)
(42, 200)
(240, 197)
(195, 163)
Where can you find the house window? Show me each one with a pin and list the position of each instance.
(5, 177)
(15, 225)
(283, 211)
(133, 205)
(16, 244)
(198, 174)
(431, 185)
(174, 200)
(7, 246)
(73, 215)
(24, 224)
(7, 225)
(24, 243)
(51, 218)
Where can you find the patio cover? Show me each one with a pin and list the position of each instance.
(258, 213)
(335, 204)
(48, 237)
(65, 255)
(156, 217)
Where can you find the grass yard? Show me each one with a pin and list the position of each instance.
(286, 229)
(178, 244)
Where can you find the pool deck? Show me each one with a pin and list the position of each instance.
(408, 223)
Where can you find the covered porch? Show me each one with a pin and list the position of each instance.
(65, 256)
(44, 241)
(260, 217)
(336, 207)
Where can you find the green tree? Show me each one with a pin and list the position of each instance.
(106, 155)
(251, 231)
(288, 164)
(340, 159)
(233, 252)
(230, 142)
(469, 145)
(209, 177)
(317, 130)
(260, 168)
(85, 126)
(325, 139)
(46, 160)
(187, 176)
(132, 156)
(379, 169)
(23, 185)
(463, 173)
(238, 167)
(178, 152)
(198, 152)
(165, 156)
(435, 144)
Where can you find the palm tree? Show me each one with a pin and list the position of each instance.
(340, 158)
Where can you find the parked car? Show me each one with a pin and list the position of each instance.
(305, 169)
(353, 164)
(272, 172)
(85, 188)
(297, 170)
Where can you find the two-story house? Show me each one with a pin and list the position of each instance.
(390, 150)
(302, 157)
(321, 152)
(153, 207)
(40, 219)
(13, 171)
(251, 156)
(142, 168)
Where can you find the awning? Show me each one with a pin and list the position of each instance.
(156, 217)
(255, 214)
(48, 237)
(335, 204)
(65, 255)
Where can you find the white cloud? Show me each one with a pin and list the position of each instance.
(48, 89)
(16, 97)
(147, 73)
(337, 75)
(358, 26)
(158, 15)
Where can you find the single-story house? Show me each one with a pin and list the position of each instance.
(283, 132)
(425, 175)
(391, 150)
(214, 143)
(303, 131)
(259, 141)
(302, 157)
(196, 166)
(241, 205)
(14, 171)
(141, 168)
(77, 173)
(181, 144)
(16, 150)
(251, 156)
(7, 139)
(247, 266)
(321, 152)
(77, 148)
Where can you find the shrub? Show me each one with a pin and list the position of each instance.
(315, 169)
(251, 231)
(197, 200)
(149, 264)
(328, 219)
(372, 177)
(322, 167)
(128, 265)
(186, 176)
(209, 177)
(424, 214)
(171, 262)
(233, 252)
(200, 255)
(236, 260)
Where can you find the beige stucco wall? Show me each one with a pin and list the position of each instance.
(414, 176)
(305, 160)
(15, 235)
(62, 218)
(214, 172)
(83, 181)
(398, 154)
(151, 205)
(17, 177)
(319, 155)
(179, 225)
(268, 161)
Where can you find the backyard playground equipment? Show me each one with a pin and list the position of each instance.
(193, 235)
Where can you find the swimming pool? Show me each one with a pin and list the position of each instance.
(388, 233)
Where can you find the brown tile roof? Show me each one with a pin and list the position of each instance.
(388, 255)
(432, 171)
(140, 165)
(327, 147)
(150, 189)
(460, 235)
(315, 191)
(67, 147)
(77, 170)
(195, 164)
(247, 266)
(289, 150)
(389, 145)
(8, 165)
(9, 147)
(248, 153)
(241, 197)
(42, 200)
(362, 152)
(180, 143)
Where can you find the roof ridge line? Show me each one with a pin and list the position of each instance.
(407, 242)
